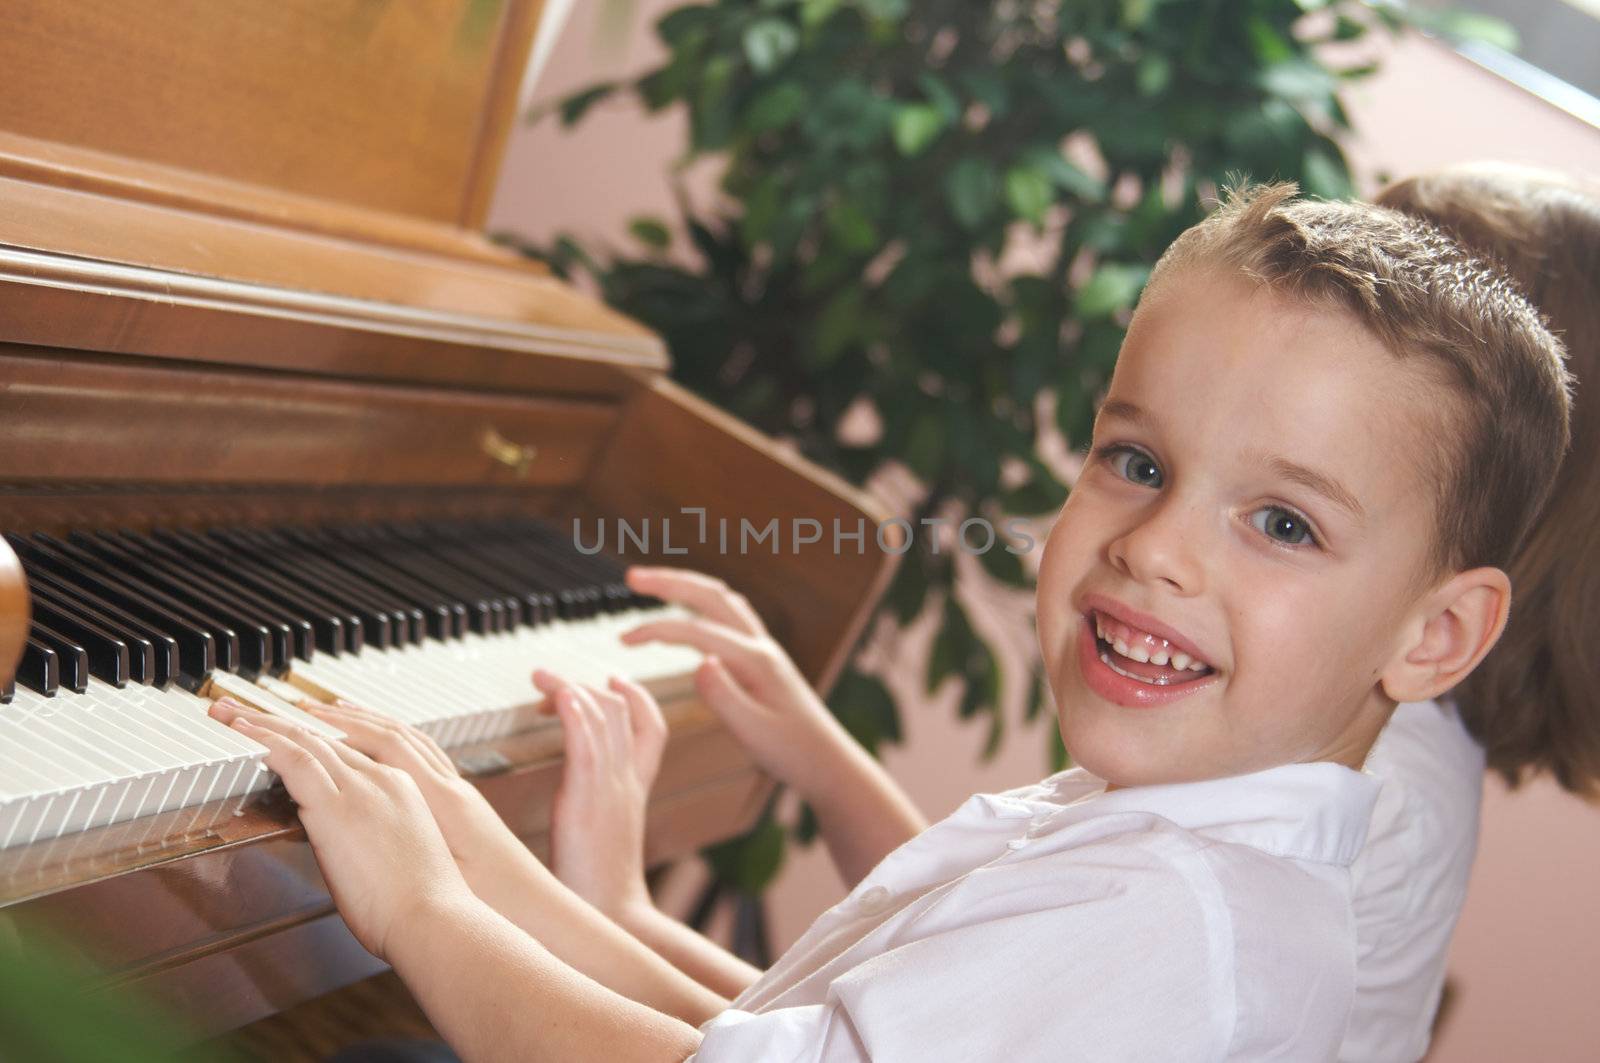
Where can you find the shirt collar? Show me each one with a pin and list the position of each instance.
(1315, 812)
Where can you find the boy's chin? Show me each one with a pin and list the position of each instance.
(1125, 759)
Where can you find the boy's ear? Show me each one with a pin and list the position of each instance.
(1458, 624)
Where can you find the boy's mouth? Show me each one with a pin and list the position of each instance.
(1142, 656)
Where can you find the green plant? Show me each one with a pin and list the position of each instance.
(885, 160)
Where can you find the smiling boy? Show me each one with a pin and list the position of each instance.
(1327, 431)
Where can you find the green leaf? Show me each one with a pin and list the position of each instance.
(805, 827)
(1298, 80)
(1003, 565)
(916, 125)
(972, 187)
(1043, 493)
(1327, 176)
(684, 24)
(1135, 13)
(750, 862)
(940, 96)
(989, 88)
(1465, 26)
(953, 646)
(925, 448)
(886, 10)
(1057, 753)
(850, 225)
(1349, 29)
(1029, 192)
(816, 12)
(1068, 176)
(775, 108)
(1153, 74)
(838, 327)
(574, 107)
(1112, 287)
(908, 590)
(1269, 46)
(1038, 696)
(651, 232)
(866, 709)
(768, 42)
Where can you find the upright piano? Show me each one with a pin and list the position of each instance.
(277, 420)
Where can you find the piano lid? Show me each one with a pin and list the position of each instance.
(305, 162)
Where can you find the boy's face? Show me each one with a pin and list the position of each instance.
(1257, 494)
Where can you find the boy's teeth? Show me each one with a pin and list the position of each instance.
(1146, 648)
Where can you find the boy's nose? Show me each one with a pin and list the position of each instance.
(1160, 548)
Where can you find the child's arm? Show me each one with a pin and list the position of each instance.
(614, 742)
(750, 682)
(488, 858)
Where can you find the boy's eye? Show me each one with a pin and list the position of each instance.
(1283, 525)
(1135, 466)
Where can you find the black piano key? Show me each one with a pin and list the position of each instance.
(269, 564)
(40, 668)
(497, 572)
(400, 573)
(72, 660)
(311, 573)
(109, 658)
(197, 649)
(469, 609)
(408, 616)
(402, 620)
(487, 612)
(505, 583)
(224, 643)
(442, 619)
(192, 590)
(152, 654)
(328, 630)
(292, 636)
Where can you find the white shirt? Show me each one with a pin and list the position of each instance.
(1411, 879)
(1196, 921)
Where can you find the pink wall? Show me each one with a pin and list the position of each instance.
(1526, 961)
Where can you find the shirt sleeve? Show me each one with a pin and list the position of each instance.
(1115, 954)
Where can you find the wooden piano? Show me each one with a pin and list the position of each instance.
(275, 416)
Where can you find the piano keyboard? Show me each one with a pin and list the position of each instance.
(439, 626)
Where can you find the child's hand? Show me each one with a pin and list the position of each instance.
(614, 741)
(478, 838)
(382, 856)
(747, 679)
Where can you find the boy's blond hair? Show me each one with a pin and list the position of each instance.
(1501, 426)
(1534, 702)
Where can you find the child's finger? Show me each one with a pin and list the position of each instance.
(703, 635)
(644, 714)
(577, 737)
(599, 730)
(385, 733)
(619, 733)
(549, 684)
(706, 595)
(375, 738)
(722, 692)
(303, 773)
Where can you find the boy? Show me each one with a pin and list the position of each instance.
(1326, 432)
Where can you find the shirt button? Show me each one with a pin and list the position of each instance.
(873, 900)
(1016, 843)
